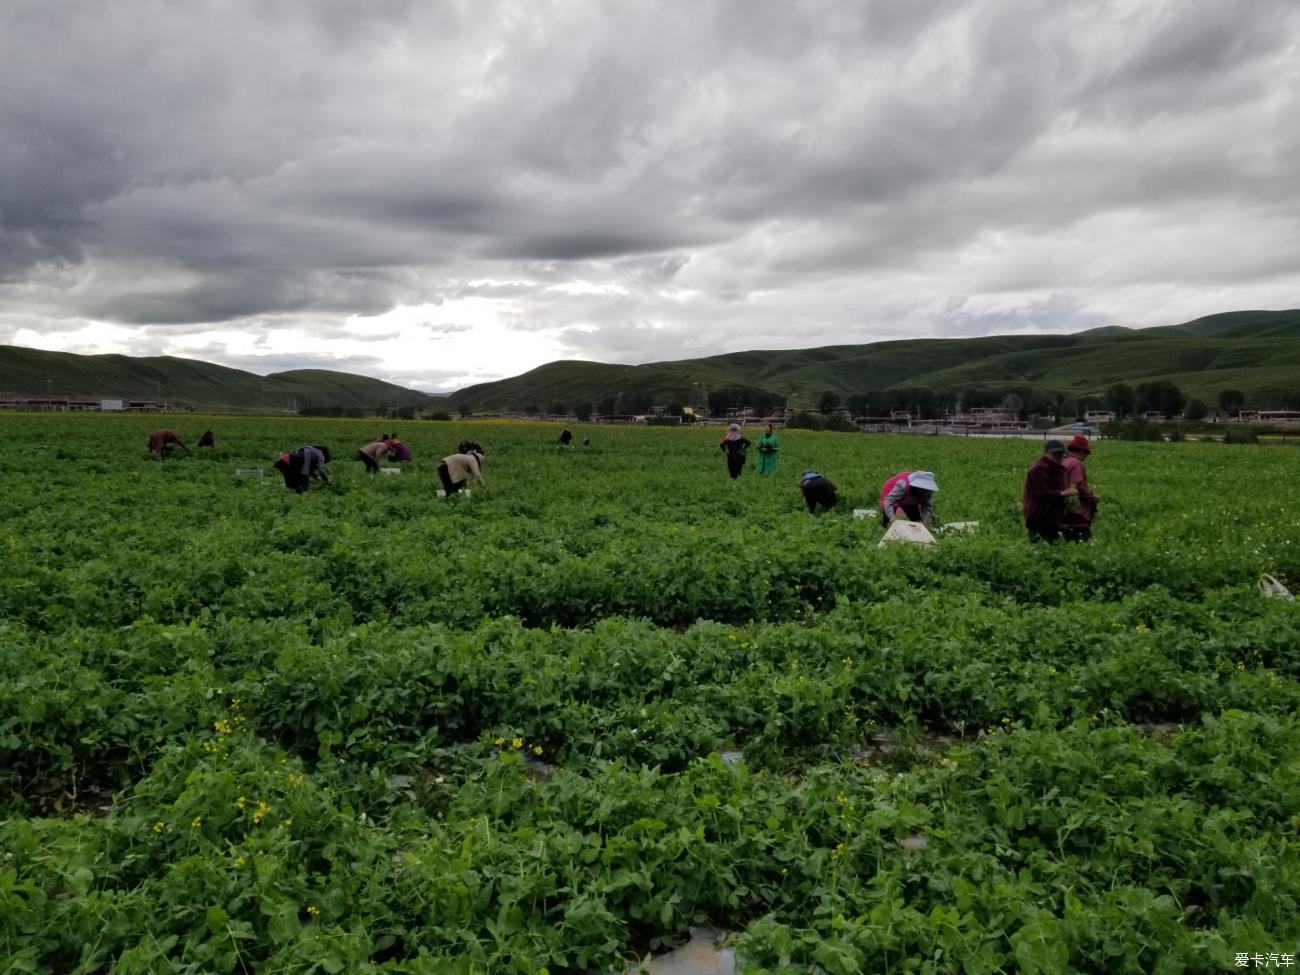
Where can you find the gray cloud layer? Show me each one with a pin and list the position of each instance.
(714, 175)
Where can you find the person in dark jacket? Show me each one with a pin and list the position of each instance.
(1044, 500)
(817, 491)
(566, 438)
(300, 466)
(736, 446)
(207, 440)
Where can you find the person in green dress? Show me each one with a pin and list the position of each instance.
(768, 446)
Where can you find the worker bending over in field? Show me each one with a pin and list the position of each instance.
(207, 440)
(1081, 508)
(161, 442)
(817, 490)
(302, 465)
(908, 496)
(456, 470)
(1043, 503)
(397, 450)
(370, 454)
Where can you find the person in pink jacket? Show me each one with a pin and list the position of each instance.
(1080, 508)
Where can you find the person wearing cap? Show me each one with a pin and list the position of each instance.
(1076, 525)
(908, 496)
(1044, 500)
(817, 491)
(736, 446)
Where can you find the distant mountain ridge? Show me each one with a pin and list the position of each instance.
(1256, 352)
(195, 384)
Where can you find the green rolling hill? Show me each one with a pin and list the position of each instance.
(1256, 352)
(193, 384)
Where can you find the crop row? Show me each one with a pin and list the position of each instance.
(1085, 848)
(95, 707)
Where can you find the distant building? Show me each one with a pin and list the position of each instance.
(1276, 418)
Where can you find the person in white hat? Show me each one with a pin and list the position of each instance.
(908, 496)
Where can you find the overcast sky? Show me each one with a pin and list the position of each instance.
(441, 193)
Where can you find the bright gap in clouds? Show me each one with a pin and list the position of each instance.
(458, 343)
(436, 348)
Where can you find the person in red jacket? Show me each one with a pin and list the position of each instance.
(1081, 509)
(161, 442)
(1043, 503)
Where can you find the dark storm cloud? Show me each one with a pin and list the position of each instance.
(635, 177)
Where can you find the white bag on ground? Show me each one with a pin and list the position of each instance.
(1273, 589)
(907, 531)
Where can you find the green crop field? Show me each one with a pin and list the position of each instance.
(614, 695)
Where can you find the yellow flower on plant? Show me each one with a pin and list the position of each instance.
(499, 742)
(517, 742)
(313, 910)
(159, 826)
(196, 822)
(537, 749)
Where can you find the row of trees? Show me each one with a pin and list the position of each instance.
(1027, 401)
(1161, 397)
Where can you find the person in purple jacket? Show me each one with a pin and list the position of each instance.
(397, 450)
(1043, 502)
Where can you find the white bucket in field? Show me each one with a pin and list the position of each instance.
(462, 494)
(907, 531)
(390, 470)
(959, 526)
(863, 512)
